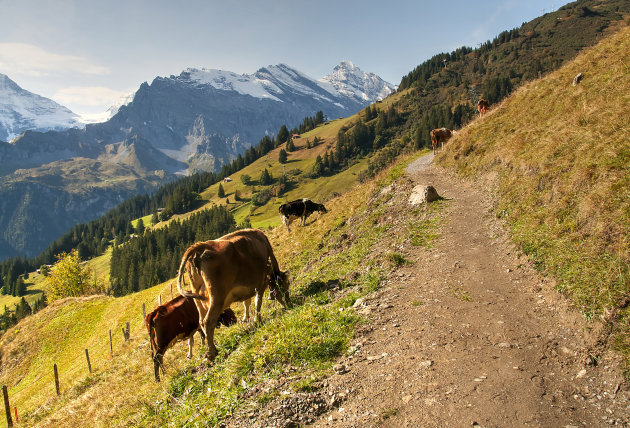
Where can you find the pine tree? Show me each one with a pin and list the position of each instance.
(265, 178)
(283, 135)
(140, 227)
(20, 287)
(318, 167)
(220, 191)
(282, 156)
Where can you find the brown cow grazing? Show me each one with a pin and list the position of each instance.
(173, 321)
(233, 268)
(440, 135)
(482, 105)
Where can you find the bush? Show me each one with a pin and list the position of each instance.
(68, 277)
(261, 198)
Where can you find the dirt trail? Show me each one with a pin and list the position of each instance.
(470, 335)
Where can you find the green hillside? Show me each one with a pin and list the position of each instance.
(559, 156)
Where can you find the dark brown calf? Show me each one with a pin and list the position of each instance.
(173, 321)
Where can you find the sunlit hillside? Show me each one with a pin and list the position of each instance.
(559, 155)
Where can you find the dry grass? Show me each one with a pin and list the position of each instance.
(560, 157)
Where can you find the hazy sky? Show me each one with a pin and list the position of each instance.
(85, 54)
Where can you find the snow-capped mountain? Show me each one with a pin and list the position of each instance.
(21, 110)
(351, 81)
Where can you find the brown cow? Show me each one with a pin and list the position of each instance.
(173, 321)
(233, 268)
(440, 135)
(482, 105)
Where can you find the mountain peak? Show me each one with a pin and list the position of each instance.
(21, 110)
(350, 80)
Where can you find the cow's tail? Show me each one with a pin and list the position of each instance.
(192, 250)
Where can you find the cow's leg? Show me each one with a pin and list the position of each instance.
(258, 302)
(191, 341)
(246, 304)
(210, 322)
(157, 364)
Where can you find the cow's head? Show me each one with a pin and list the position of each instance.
(149, 321)
(281, 280)
(321, 208)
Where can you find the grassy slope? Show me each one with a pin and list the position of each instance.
(561, 158)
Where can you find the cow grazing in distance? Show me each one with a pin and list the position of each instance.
(440, 136)
(301, 208)
(233, 268)
(173, 321)
(482, 105)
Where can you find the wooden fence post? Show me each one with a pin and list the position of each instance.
(171, 291)
(87, 357)
(111, 348)
(56, 378)
(7, 407)
(159, 299)
(16, 417)
(126, 332)
(144, 312)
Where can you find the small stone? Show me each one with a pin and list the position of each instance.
(581, 374)
(425, 364)
(358, 302)
(407, 398)
(504, 345)
(340, 368)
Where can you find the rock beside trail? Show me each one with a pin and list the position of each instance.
(423, 193)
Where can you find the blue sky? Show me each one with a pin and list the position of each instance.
(85, 54)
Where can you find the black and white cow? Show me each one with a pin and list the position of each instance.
(301, 209)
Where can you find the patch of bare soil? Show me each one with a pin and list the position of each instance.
(468, 334)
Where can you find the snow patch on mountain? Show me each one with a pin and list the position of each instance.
(21, 110)
(244, 84)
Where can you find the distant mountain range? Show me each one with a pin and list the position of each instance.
(176, 125)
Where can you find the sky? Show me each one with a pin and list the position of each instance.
(87, 54)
